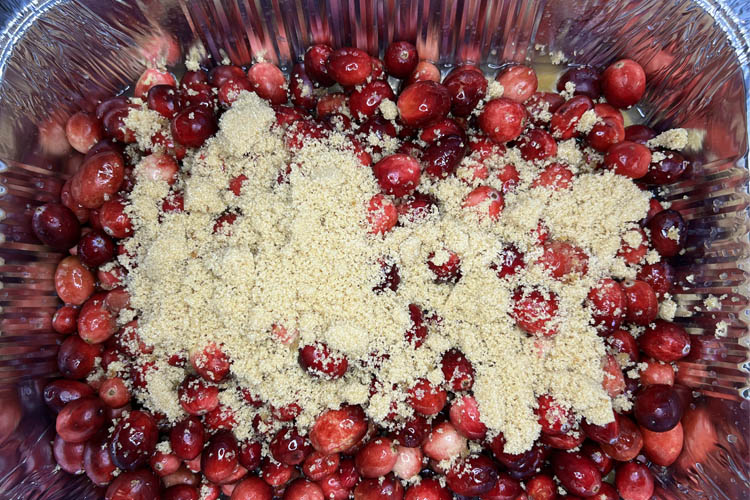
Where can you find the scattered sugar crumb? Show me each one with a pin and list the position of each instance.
(712, 303)
(722, 328)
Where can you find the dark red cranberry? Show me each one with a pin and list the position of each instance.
(667, 170)
(302, 88)
(658, 408)
(603, 462)
(220, 458)
(466, 86)
(400, 59)
(668, 232)
(164, 100)
(601, 433)
(250, 455)
(412, 432)
(60, 392)
(97, 462)
(639, 133)
(318, 360)
(76, 358)
(577, 473)
(608, 304)
(586, 79)
(134, 485)
(56, 226)
(537, 144)
(642, 306)
(316, 64)
(198, 95)
(289, 447)
(191, 77)
(133, 440)
(383, 488)
(418, 331)
(223, 73)
(473, 476)
(390, 279)
(95, 248)
(187, 438)
(605, 134)
(441, 158)
(659, 275)
(364, 102)
(457, 370)
(508, 262)
(192, 126)
(80, 420)
(565, 119)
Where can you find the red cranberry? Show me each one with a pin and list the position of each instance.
(97, 461)
(181, 492)
(197, 396)
(114, 221)
(198, 95)
(114, 392)
(211, 362)
(390, 277)
(56, 226)
(80, 419)
(534, 310)
(605, 134)
(472, 476)
(665, 341)
(316, 64)
(457, 370)
(464, 415)
(220, 458)
(537, 144)
(69, 456)
(554, 418)
(541, 103)
(364, 102)
(639, 133)
(417, 207)
(250, 455)
(668, 232)
(425, 71)
(268, 82)
(381, 214)
(65, 319)
(586, 81)
(134, 485)
(608, 303)
(74, 283)
(133, 440)
(629, 159)
(114, 124)
(192, 77)
(624, 342)
(95, 248)
(150, 78)
(614, 380)
(187, 437)
(634, 481)
(318, 466)
(658, 408)
(565, 119)
(485, 201)
(222, 74)
(601, 433)
(508, 262)
(555, 176)
(428, 489)
(519, 82)
(426, 398)
(438, 130)
(83, 131)
(400, 59)
(520, 465)
(76, 358)
(604, 463)
(349, 66)
(441, 158)
(642, 306)
(318, 360)
(561, 258)
(164, 100)
(385, 488)
(667, 170)
(502, 120)
(657, 372)
(623, 83)
(449, 268)
(466, 86)
(60, 392)
(634, 255)
(423, 102)
(397, 174)
(577, 473)
(302, 88)
(663, 448)
(541, 487)
(629, 441)
(230, 91)
(96, 322)
(302, 489)
(378, 69)
(192, 126)
(98, 179)
(377, 458)
(412, 432)
(336, 431)
(289, 447)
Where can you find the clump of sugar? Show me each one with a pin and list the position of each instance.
(676, 138)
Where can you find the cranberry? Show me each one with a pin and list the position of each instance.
(607, 301)
(76, 358)
(158, 167)
(441, 158)
(605, 133)
(69, 456)
(521, 465)
(472, 476)
(60, 392)
(378, 69)
(150, 78)
(624, 342)
(447, 269)
(537, 144)
(302, 489)
(364, 102)
(114, 124)
(181, 492)
(338, 430)
(318, 466)
(667, 170)
(466, 86)
(502, 120)
(604, 463)
(302, 88)
(634, 255)
(444, 442)
(541, 487)
(211, 362)
(629, 159)
(426, 398)
(464, 415)
(565, 119)
(83, 131)
(425, 71)
(222, 74)
(56, 226)
(97, 461)
(663, 448)
(190, 78)
(400, 59)
(381, 214)
(193, 125)
(74, 283)
(164, 464)
(614, 381)
(319, 361)
(423, 102)
(199, 95)
(80, 419)
(438, 130)
(541, 103)
(533, 310)
(384, 488)
(561, 258)
(133, 440)
(96, 323)
(417, 207)
(220, 458)
(412, 432)
(134, 485)
(642, 305)
(629, 441)
(250, 455)
(376, 458)
(657, 372)
(98, 179)
(665, 341)
(658, 408)
(577, 473)
(289, 447)
(114, 392)
(509, 262)
(485, 201)
(66, 198)
(555, 176)
(268, 82)
(95, 248)
(408, 462)
(65, 320)
(230, 90)
(197, 397)
(349, 66)
(554, 418)
(586, 81)
(114, 221)
(397, 174)
(634, 481)
(428, 489)
(519, 82)
(639, 133)
(316, 64)
(390, 278)
(163, 99)
(623, 83)
(457, 370)
(668, 232)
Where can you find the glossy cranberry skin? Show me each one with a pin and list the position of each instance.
(642, 306)
(658, 408)
(192, 126)
(289, 447)
(181, 492)
(336, 431)
(97, 462)
(466, 86)
(197, 396)
(624, 342)
(441, 158)
(464, 415)
(192, 77)
(473, 476)
(268, 82)
(423, 102)
(542, 102)
(623, 83)
(665, 341)
(60, 392)
(187, 438)
(133, 440)
(223, 73)
(96, 321)
(95, 248)
(502, 120)
(553, 418)
(659, 275)
(164, 100)
(634, 481)
(319, 361)
(302, 88)
(628, 443)
(385, 488)
(80, 420)
(604, 463)
(537, 144)
(428, 489)
(508, 262)
(134, 485)
(667, 170)
(668, 232)
(316, 64)
(220, 458)
(198, 95)
(586, 79)
(400, 59)
(457, 370)
(364, 102)
(605, 134)
(601, 433)
(506, 488)
(426, 398)
(608, 302)
(412, 432)
(74, 283)
(76, 358)
(566, 117)
(577, 473)
(65, 319)
(349, 66)
(397, 174)
(629, 159)
(541, 487)
(639, 133)
(376, 458)
(56, 226)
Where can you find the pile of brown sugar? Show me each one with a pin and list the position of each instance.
(300, 255)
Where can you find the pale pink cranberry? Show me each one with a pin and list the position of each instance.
(444, 442)
(150, 78)
(133, 440)
(565, 119)
(159, 167)
(623, 83)
(561, 259)
(408, 462)
(164, 464)
(519, 82)
(425, 71)
(76, 358)
(423, 102)
(663, 448)
(428, 489)
(74, 283)
(197, 397)
(577, 473)
(113, 219)
(134, 485)
(381, 214)
(426, 398)
(634, 480)
(98, 179)
(284, 335)
(607, 302)
(65, 320)
(472, 476)
(642, 306)
(376, 458)
(629, 159)
(83, 130)
(400, 59)
(614, 380)
(464, 415)
(349, 66)
(533, 311)
(486, 202)
(290, 447)
(318, 466)
(335, 431)
(555, 176)
(268, 82)
(502, 120)
(69, 456)
(397, 174)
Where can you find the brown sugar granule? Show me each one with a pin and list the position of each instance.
(299, 255)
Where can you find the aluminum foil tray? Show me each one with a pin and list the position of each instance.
(59, 56)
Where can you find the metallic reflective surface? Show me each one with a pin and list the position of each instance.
(60, 56)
